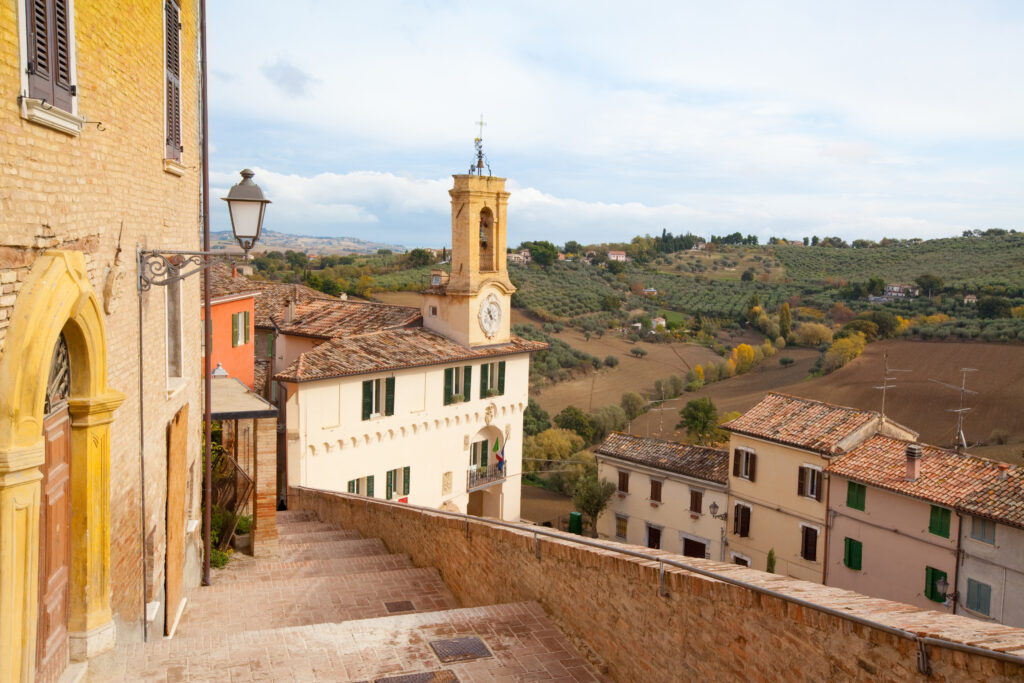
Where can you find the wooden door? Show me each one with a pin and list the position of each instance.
(54, 549)
(177, 475)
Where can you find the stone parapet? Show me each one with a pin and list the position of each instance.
(649, 621)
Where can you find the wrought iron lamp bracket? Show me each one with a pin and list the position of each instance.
(168, 266)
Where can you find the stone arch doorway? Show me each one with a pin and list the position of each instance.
(55, 299)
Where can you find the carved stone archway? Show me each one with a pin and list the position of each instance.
(56, 297)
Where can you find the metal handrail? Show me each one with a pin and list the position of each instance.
(618, 548)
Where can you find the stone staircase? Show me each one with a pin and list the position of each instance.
(333, 606)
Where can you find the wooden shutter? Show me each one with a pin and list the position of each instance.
(467, 382)
(736, 511)
(449, 380)
(801, 481)
(624, 482)
(234, 329)
(389, 485)
(855, 554)
(809, 551)
(61, 47)
(745, 522)
(247, 321)
(172, 69)
(483, 380)
(389, 396)
(501, 378)
(40, 85)
(367, 399)
(369, 486)
(696, 501)
(751, 466)
(406, 472)
(820, 481)
(736, 455)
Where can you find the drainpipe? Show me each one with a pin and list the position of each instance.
(828, 523)
(207, 322)
(142, 480)
(958, 559)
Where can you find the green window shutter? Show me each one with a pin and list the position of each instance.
(855, 495)
(931, 577)
(405, 479)
(938, 524)
(928, 583)
(351, 486)
(449, 375)
(483, 453)
(367, 399)
(389, 485)
(501, 378)
(852, 553)
(467, 383)
(858, 550)
(389, 396)
(247, 327)
(483, 381)
(270, 345)
(369, 486)
(234, 329)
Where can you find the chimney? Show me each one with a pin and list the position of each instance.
(289, 311)
(234, 270)
(1004, 471)
(913, 461)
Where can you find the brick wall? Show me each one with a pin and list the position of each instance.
(60, 191)
(703, 629)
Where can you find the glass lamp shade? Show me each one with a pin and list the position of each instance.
(713, 509)
(246, 204)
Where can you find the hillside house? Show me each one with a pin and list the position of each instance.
(780, 451)
(990, 583)
(895, 530)
(665, 494)
(84, 562)
(899, 290)
(619, 256)
(659, 322)
(971, 299)
(423, 406)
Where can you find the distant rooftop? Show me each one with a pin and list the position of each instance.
(700, 462)
(329, 318)
(1000, 499)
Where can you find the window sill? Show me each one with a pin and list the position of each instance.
(175, 385)
(51, 117)
(174, 167)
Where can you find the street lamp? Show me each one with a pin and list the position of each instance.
(942, 585)
(246, 204)
(713, 509)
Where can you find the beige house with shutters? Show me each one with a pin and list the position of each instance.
(780, 450)
(418, 406)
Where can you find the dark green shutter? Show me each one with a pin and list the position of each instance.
(234, 329)
(389, 396)
(939, 522)
(928, 583)
(483, 381)
(852, 553)
(247, 327)
(405, 479)
(389, 485)
(483, 454)
(448, 380)
(858, 549)
(369, 486)
(855, 495)
(467, 383)
(367, 399)
(501, 378)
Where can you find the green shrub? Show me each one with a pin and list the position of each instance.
(244, 524)
(611, 361)
(219, 558)
(786, 361)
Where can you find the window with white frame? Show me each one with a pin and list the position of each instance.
(741, 560)
(621, 524)
(172, 297)
(478, 454)
(240, 326)
(809, 542)
(172, 81)
(48, 64)
(744, 463)
(741, 520)
(809, 482)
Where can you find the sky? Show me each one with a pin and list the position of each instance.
(609, 119)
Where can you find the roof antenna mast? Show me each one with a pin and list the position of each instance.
(886, 379)
(477, 167)
(961, 441)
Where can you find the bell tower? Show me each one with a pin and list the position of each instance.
(471, 304)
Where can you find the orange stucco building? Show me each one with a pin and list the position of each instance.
(234, 340)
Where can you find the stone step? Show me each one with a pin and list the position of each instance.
(270, 570)
(332, 549)
(226, 607)
(309, 526)
(327, 534)
(290, 516)
(523, 644)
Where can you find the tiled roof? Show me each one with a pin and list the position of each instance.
(999, 499)
(274, 296)
(261, 371)
(804, 423)
(326, 319)
(700, 462)
(944, 478)
(392, 349)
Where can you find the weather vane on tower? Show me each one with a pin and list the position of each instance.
(477, 167)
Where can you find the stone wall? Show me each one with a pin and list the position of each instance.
(703, 629)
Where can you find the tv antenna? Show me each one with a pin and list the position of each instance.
(961, 441)
(477, 167)
(886, 379)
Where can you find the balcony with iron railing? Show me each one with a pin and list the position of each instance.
(482, 477)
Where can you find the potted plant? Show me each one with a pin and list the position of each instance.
(242, 542)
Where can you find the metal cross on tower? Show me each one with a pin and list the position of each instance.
(477, 167)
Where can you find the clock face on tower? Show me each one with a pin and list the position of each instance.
(490, 315)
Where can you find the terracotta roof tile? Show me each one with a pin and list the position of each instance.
(274, 296)
(944, 478)
(1001, 499)
(326, 319)
(800, 422)
(710, 464)
(392, 349)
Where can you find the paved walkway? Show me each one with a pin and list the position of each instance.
(341, 608)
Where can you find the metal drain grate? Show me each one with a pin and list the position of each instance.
(459, 649)
(399, 606)
(426, 677)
